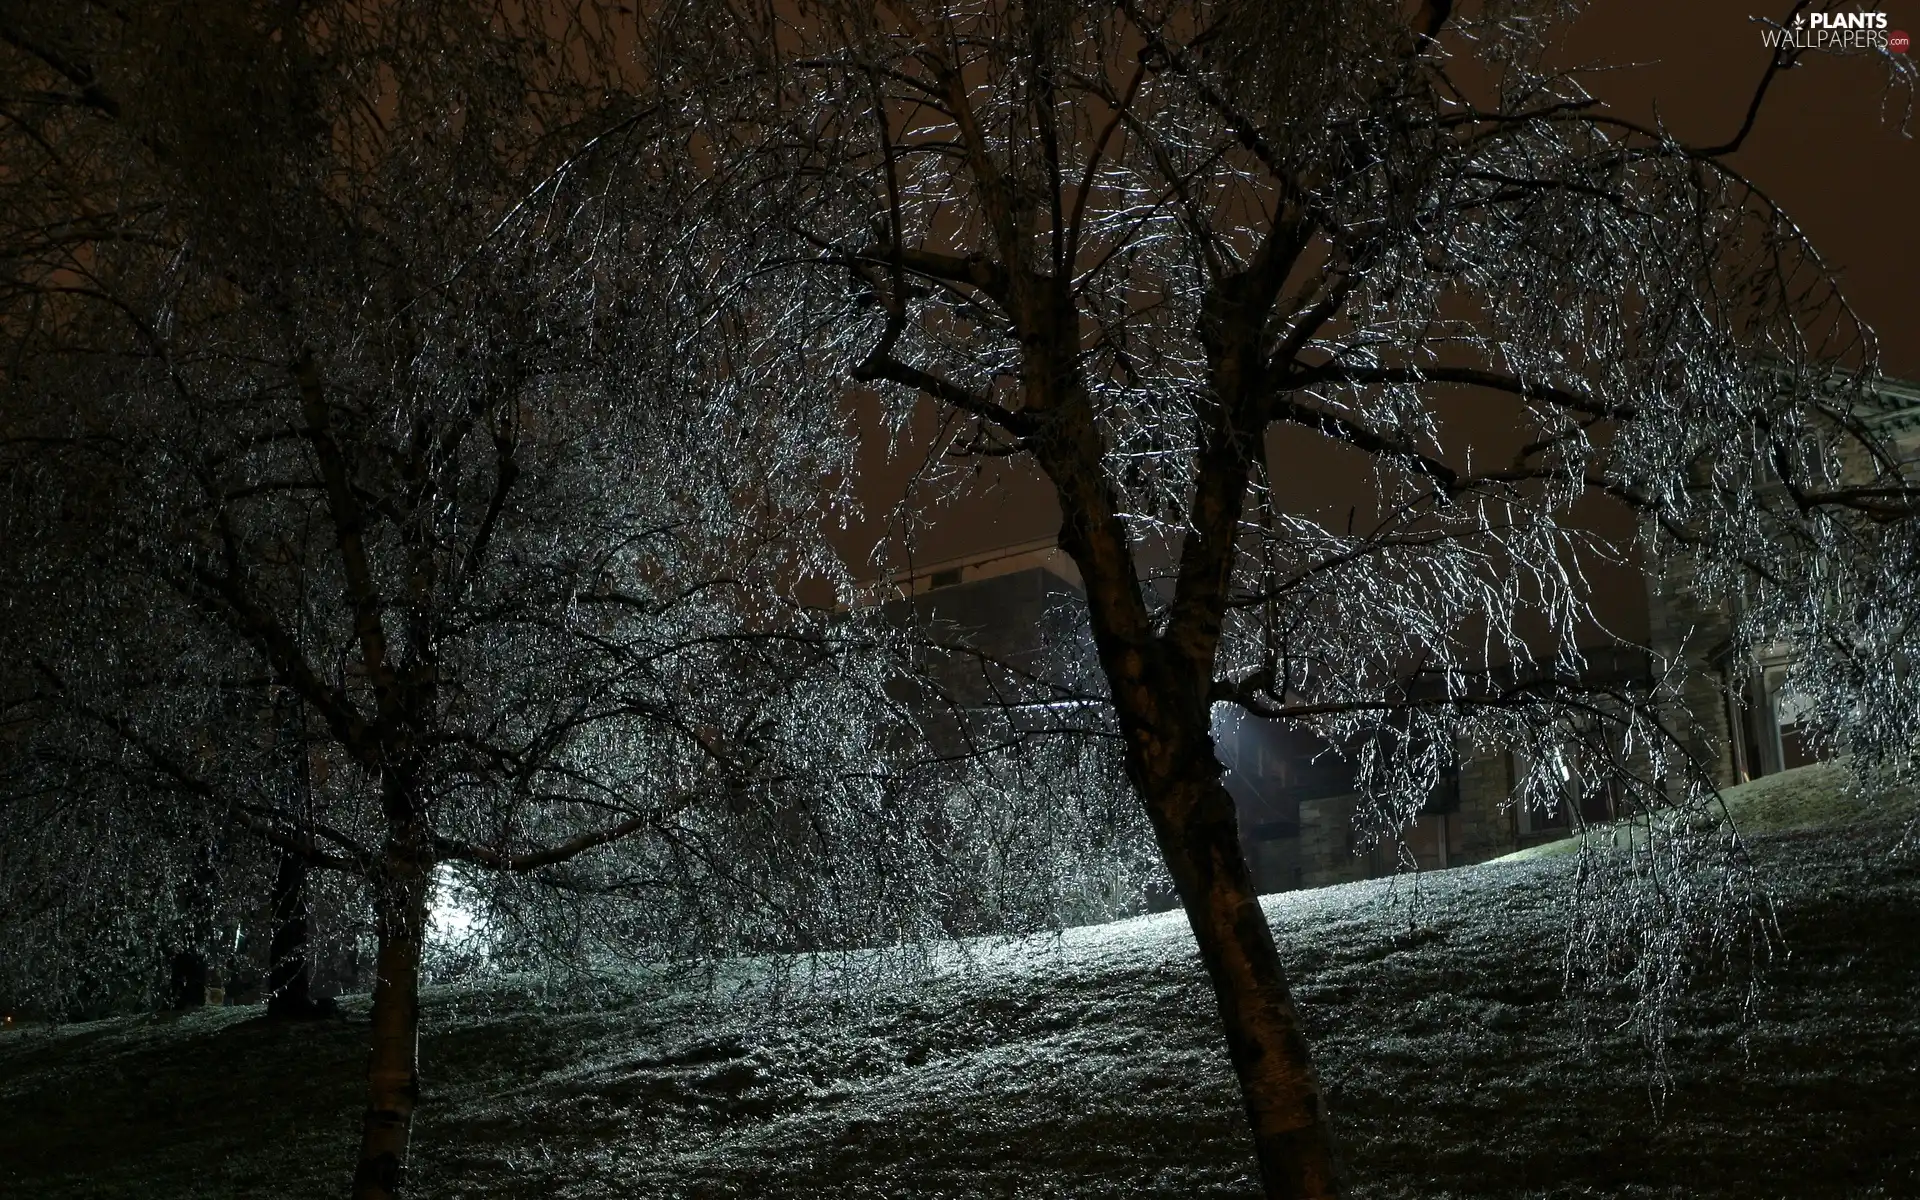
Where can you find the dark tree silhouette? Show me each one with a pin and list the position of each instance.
(412, 487)
(1166, 251)
(357, 436)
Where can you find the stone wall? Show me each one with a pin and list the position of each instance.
(1327, 843)
(1682, 624)
(1482, 827)
(1485, 818)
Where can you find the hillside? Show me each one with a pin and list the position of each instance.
(1819, 796)
(1078, 1066)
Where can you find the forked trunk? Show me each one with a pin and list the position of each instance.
(393, 1080)
(1160, 697)
(1194, 820)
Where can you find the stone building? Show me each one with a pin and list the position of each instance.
(1469, 818)
(1022, 606)
(1741, 715)
(1025, 605)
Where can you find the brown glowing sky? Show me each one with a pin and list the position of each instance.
(1826, 148)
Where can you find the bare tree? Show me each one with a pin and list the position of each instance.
(1165, 251)
(407, 487)
(360, 440)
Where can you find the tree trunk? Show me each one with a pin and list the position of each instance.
(190, 969)
(1195, 822)
(393, 1080)
(187, 979)
(1161, 680)
(289, 976)
(1160, 697)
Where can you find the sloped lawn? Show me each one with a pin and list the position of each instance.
(1077, 1066)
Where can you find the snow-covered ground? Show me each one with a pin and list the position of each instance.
(1081, 1065)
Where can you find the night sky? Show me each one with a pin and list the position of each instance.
(1827, 148)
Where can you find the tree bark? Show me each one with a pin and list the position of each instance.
(1160, 697)
(393, 1080)
(187, 981)
(1196, 824)
(190, 969)
(1171, 760)
(289, 975)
